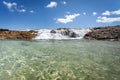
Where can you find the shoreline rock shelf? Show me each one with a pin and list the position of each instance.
(104, 33)
(17, 35)
(99, 33)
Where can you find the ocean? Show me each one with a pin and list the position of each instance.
(59, 60)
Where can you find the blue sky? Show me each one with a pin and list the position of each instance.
(37, 14)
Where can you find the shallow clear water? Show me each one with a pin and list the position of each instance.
(59, 60)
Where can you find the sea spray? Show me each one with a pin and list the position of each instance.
(63, 33)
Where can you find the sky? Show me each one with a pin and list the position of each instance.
(38, 14)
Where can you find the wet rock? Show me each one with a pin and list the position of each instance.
(72, 34)
(104, 33)
(65, 32)
(52, 31)
(62, 28)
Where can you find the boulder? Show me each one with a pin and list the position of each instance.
(65, 32)
(52, 31)
(72, 34)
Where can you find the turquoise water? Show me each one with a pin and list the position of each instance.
(59, 60)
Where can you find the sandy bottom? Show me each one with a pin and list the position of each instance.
(59, 60)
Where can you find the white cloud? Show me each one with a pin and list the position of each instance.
(9, 5)
(106, 13)
(21, 10)
(68, 18)
(117, 12)
(52, 4)
(84, 13)
(107, 20)
(12, 6)
(32, 11)
(64, 2)
(110, 19)
(94, 13)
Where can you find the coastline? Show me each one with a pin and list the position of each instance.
(111, 33)
(17, 35)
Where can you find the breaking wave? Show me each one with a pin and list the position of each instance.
(61, 33)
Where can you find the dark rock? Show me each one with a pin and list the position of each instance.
(65, 32)
(62, 28)
(104, 33)
(52, 31)
(4, 29)
(72, 34)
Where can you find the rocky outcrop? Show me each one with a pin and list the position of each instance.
(104, 33)
(52, 31)
(99, 33)
(68, 32)
(72, 34)
(65, 32)
(17, 35)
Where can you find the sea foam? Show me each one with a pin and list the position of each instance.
(59, 34)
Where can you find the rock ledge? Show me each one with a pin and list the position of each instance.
(17, 35)
(104, 33)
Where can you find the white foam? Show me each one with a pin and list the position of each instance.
(45, 34)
